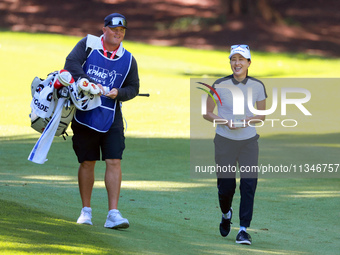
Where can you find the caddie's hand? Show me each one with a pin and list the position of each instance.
(102, 91)
(113, 93)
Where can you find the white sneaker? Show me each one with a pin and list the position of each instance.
(85, 216)
(115, 220)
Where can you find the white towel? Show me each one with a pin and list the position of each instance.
(39, 152)
(42, 103)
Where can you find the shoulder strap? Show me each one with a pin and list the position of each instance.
(93, 42)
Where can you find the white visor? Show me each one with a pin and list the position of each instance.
(244, 51)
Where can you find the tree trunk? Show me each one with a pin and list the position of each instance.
(267, 12)
(250, 8)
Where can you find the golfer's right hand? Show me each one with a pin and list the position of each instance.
(231, 127)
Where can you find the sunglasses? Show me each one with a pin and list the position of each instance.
(244, 46)
(117, 21)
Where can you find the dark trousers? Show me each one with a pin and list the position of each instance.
(228, 154)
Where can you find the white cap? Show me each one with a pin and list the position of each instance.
(244, 51)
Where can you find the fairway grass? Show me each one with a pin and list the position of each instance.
(169, 212)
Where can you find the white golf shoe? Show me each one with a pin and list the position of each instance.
(85, 216)
(115, 220)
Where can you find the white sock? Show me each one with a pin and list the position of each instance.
(227, 215)
(113, 211)
(242, 229)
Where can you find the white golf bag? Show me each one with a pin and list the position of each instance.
(44, 101)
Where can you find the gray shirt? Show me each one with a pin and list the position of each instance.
(226, 110)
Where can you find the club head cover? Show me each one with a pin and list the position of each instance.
(84, 85)
(63, 78)
(94, 89)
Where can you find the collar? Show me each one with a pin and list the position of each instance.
(235, 82)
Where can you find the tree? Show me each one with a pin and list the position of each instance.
(239, 8)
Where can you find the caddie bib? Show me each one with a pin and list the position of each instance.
(107, 72)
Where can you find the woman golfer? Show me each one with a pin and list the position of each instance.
(236, 141)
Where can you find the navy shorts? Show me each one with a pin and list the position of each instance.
(88, 144)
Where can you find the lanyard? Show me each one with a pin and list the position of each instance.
(105, 51)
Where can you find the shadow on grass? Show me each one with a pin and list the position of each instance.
(24, 230)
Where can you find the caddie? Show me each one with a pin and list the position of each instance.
(99, 133)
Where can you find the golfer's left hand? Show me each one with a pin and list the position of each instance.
(113, 93)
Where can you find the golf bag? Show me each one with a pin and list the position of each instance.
(45, 97)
